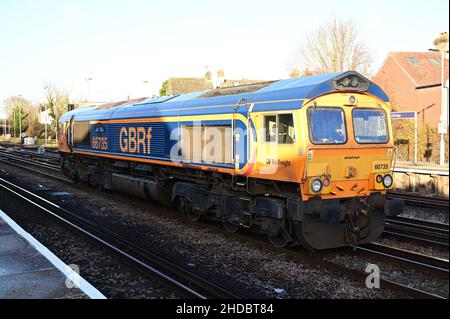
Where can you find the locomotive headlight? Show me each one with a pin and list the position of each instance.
(388, 181)
(316, 185)
(379, 179)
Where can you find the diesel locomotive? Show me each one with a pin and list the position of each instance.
(306, 161)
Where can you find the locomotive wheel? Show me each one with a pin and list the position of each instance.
(185, 206)
(193, 215)
(231, 227)
(282, 238)
(74, 176)
(278, 240)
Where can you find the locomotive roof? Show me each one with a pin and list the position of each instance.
(272, 96)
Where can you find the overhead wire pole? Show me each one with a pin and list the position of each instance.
(46, 119)
(46, 122)
(443, 123)
(416, 138)
(20, 125)
(442, 129)
(14, 121)
(88, 79)
(20, 122)
(4, 128)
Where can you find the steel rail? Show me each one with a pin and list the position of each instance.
(438, 265)
(433, 226)
(183, 280)
(420, 201)
(422, 231)
(36, 163)
(423, 226)
(58, 178)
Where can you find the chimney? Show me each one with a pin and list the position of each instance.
(441, 42)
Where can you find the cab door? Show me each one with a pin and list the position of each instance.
(240, 139)
(279, 152)
(69, 133)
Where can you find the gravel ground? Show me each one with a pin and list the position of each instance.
(428, 214)
(254, 271)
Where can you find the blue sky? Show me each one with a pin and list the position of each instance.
(120, 44)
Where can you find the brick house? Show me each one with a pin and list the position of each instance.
(412, 80)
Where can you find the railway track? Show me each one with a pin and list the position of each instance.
(424, 262)
(436, 265)
(28, 160)
(316, 259)
(418, 230)
(47, 157)
(420, 201)
(49, 171)
(184, 281)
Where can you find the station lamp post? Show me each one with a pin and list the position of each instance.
(20, 120)
(14, 122)
(444, 109)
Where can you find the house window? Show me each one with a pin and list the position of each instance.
(413, 60)
(434, 61)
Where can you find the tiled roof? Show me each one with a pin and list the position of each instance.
(424, 68)
(187, 85)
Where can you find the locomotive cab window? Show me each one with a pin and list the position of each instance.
(81, 133)
(370, 126)
(62, 128)
(279, 128)
(327, 125)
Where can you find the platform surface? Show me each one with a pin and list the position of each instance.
(421, 168)
(28, 270)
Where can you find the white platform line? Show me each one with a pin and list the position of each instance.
(81, 283)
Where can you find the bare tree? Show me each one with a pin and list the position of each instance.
(21, 113)
(334, 47)
(57, 101)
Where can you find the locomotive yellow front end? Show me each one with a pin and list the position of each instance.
(347, 170)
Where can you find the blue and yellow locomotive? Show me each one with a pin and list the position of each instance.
(304, 160)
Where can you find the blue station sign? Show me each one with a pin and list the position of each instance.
(403, 115)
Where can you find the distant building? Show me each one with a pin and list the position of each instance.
(82, 104)
(187, 85)
(412, 80)
(210, 81)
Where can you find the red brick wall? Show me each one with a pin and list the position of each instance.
(404, 96)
